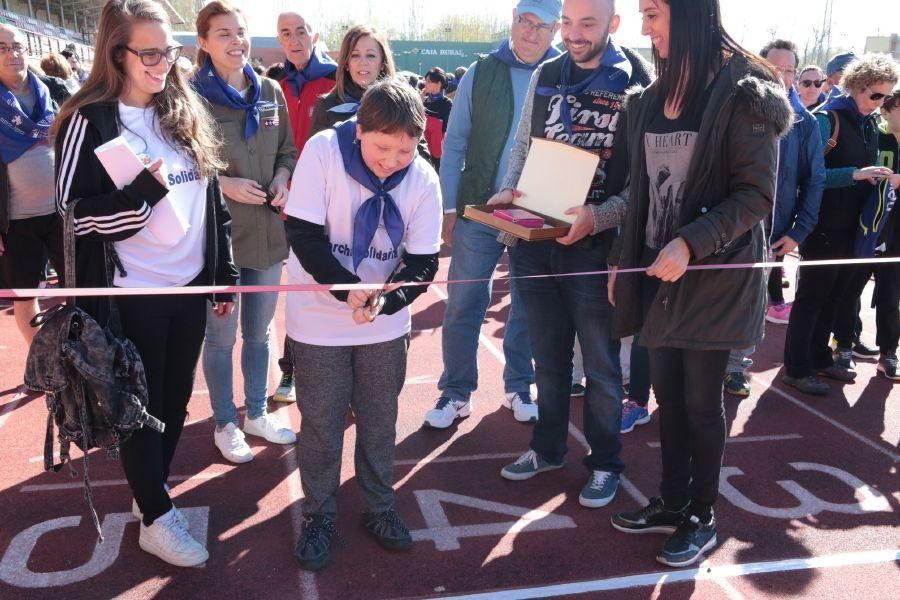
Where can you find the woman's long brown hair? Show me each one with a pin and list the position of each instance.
(183, 119)
(352, 38)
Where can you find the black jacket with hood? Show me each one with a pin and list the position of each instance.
(730, 191)
(107, 214)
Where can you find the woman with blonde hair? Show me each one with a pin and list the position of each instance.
(55, 65)
(365, 58)
(134, 92)
(253, 120)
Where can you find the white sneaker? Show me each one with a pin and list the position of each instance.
(167, 539)
(270, 428)
(446, 411)
(524, 409)
(230, 442)
(137, 514)
(285, 390)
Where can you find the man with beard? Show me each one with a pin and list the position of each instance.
(576, 99)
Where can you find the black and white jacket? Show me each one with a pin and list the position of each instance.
(106, 214)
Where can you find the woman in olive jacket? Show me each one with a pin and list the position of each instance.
(703, 155)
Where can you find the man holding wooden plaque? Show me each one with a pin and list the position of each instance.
(574, 100)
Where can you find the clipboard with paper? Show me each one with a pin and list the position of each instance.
(556, 177)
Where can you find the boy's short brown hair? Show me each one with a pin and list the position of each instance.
(892, 101)
(391, 106)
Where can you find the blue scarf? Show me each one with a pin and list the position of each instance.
(874, 218)
(613, 74)
(348, 108)
(211, 86)
(320, 65)
(18, 131)
(434, 97)
(506, 55)
(369, 215)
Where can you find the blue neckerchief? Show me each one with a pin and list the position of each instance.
(320, 65)
(612, 74)
(211, 86)
(19, 131)
(370, 214)
(506, 55)
(434, 97)
(348, 108)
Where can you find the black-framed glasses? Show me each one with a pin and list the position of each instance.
(151, 58)
(540, 28)
(15, 49)
(808, 83)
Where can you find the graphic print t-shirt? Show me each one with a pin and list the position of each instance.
(668, 147)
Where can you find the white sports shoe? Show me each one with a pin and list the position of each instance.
(170, 541)
(230, 442)
(446, 411)
(285, 391)
(270, 428)
(137, 514)
(524, 409)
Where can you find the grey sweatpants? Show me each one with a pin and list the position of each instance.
(328, 380)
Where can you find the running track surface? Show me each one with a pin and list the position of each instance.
(809, 504)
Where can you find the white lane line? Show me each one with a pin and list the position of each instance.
(705, 572)
(10, 406)
(629, 487)
(747, 439)
(857, 436)
(52, 487)
(730, 591)
(453, 459)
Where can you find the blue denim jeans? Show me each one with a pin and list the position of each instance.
(557, 309)
(476, 252)
(255, 312)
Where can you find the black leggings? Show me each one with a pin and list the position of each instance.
(688, 388)
(168, 332)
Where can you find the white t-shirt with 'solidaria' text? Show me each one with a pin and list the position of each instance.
(147, 261)
(323, 193)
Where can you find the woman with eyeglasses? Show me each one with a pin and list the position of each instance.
(134, 92)
(827, 297)
(809, 85)
(252, 117)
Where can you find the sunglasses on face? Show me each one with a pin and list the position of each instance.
(151, 58)
(808, 83)
(876, 96)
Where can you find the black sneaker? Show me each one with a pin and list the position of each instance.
(692, 538)
(811, 385)
(388, 529)
(887, 366)
(839, 373)
(577, 390)
(861, 350)
(313, 546)
(653, 518)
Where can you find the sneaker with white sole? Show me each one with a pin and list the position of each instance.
(887, 366)
(285, 391)
(446, 411)
(137, 514)
(231, 443)
(523, 407)
(167, 539)
(270, 428)
(599, 490)
(527, 466)
(691, 539)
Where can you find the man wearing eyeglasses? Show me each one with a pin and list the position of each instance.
(798, 197)
(477, 146)
(30, 229)
(810, 81)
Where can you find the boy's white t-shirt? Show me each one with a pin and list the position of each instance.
(323, 193)
(148, 262)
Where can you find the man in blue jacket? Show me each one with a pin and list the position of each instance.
(479, 139)
(798, 196)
